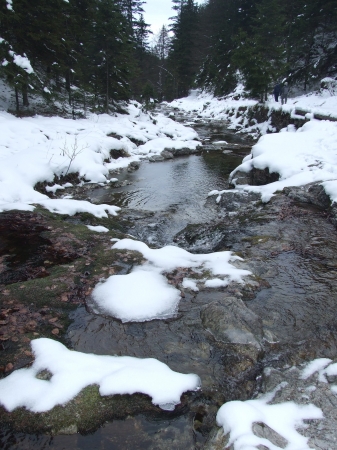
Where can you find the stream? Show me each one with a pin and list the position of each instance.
(284, 315)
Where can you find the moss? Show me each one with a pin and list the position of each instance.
(85, 413)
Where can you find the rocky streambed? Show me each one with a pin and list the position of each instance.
(283, 316)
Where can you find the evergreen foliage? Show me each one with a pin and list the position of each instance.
(268, 41)
(95, 53)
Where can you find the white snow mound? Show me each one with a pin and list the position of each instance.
(72, 371)
(144, 294)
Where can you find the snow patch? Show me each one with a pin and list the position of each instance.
(72, 371)
(237, 419)
(144, 294)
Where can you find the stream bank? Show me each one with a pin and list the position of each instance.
(283, 315)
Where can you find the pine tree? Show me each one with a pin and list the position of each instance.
(161, 51)
(261, 55)
(182, 55)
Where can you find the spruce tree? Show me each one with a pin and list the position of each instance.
(182, 55)
(261, 55)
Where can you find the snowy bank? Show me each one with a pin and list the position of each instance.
(73, 371)
(299, 157)
(144, 294)
(35, 149)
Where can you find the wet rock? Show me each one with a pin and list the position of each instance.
(120, 153)
(259, 177)
(240, 178)
(217, 440)
(204, 239)
(156, 158)
(256, 177)
(263, 431)
(166, 154)
(231, 322)
(134, 165)
(290, 386)
(313, 194)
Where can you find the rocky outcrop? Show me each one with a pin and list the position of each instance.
(290, 385)
(313, 194)
(256, 177)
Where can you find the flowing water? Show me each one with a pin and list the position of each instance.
(159, 200)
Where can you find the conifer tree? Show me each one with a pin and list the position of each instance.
(260, 55)
(161, 51)
(182, 55)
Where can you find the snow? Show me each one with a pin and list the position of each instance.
(144, 294)
(317, 365)
(71, 207)
(323, 368)
(238, 417)
(35, 149)
(300, 156)
(72, 371)
(190, 284)
(98, 228)
(22, 61)
(54, 188)
(138, 296)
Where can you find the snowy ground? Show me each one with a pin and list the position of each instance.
(301, 156)
(38, 148)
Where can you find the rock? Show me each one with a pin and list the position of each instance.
(263, 431)
(313, 194)
(180, 151)
(217, 440)
(118, 153)
(203, 238)
(134, 165)
(231, 322)
(166, 154)
(9, 367)
(69, 430)
(240, 178)
(259, 177)
(155, 158)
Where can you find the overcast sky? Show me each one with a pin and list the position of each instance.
(157, 13)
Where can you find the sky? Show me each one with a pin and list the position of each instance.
(157, 13)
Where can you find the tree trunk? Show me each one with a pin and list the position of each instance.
(107, 87)
(68, 85)
(17, 99)
(25, 101)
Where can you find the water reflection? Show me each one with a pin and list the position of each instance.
(134, 433)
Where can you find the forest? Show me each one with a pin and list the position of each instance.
(96, 53)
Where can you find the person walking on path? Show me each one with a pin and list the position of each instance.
(284, 93)
(277, 91)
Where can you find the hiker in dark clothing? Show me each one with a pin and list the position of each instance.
(277, 91)
(284, 93)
